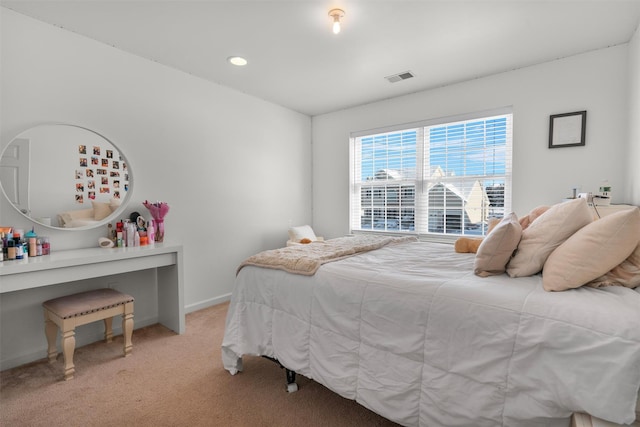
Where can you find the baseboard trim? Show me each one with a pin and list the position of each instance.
(207, 303)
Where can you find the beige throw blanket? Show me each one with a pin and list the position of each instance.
(306, 259)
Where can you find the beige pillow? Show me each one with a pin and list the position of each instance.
(626, 274)
(114, 204)
(592, 251)
(545, 234)
(100, 210)
(65, 218)
(497, 247)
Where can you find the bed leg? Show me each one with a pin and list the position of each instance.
(291, 375)
(291, 381)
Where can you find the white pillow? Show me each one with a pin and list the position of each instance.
(302, 232)
(546, 233)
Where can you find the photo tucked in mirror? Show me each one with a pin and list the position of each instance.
(65, 176)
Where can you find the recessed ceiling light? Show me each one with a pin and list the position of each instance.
(237, 60)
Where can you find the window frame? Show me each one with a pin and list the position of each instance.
(422, 179)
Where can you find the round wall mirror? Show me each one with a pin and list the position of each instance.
(65, 176)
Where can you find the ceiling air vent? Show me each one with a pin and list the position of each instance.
(400, 76)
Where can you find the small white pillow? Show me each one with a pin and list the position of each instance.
(302, 232)
(546, 233)
(592, 251)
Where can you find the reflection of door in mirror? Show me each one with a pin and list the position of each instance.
(14, 171)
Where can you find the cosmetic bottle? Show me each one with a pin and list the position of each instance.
(38, 247)
(31, 238)
(125, 226)
(4, 245)
(131, 234)
(11, 249)
(136, 239)
(19, 244)
(7, 238)
(151, 232)
(46, 245)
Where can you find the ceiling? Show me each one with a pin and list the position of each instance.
(297, 62)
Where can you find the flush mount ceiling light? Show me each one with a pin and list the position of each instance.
(237, 60)
(336, 14)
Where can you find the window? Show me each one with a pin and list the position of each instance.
(445, 177)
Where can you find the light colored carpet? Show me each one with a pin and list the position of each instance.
(169, 380)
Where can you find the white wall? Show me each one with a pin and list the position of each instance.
(234, 169)
(596, 82)
(633, 159)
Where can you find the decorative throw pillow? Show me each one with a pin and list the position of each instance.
(65, 218)
(114, 204)
(626, 274)
(100, 210)
(296, 234)
(545, 234)
(592, 251)
(497, 247)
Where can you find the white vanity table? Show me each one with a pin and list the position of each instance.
(164, 260)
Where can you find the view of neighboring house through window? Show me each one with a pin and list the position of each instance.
(444, 177)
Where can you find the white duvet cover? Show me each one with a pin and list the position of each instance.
(411, 333)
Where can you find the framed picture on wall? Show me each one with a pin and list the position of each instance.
(568, 129)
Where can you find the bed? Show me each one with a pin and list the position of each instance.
(87, 217)
(409, 331)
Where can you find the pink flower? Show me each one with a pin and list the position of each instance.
(157, 210)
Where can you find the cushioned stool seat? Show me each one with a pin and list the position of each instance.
(79, 309)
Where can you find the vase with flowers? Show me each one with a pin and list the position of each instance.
(158, 210)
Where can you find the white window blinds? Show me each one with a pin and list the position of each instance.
(443, 177)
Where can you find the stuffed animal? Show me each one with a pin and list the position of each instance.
(471, 244)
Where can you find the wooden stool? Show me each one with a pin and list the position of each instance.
(79, 309)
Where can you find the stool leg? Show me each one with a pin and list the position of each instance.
(51, 331)
(68, 347)
(127, 328)
(108, 330)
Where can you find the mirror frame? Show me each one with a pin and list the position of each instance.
(114, 215)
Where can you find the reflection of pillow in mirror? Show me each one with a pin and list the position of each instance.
(100, 210)
(114, 204)
(65, 218)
